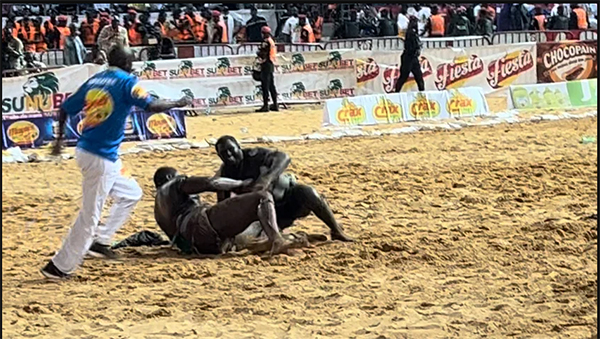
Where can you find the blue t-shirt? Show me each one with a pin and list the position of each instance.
(104, 101)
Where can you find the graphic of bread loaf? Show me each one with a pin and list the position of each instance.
(574, 73)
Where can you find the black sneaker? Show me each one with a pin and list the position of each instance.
(262, 109)
(274, 108)
(50, 271)
(102, 251)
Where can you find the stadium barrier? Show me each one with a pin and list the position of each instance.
(309, 77)
(192, 50)
(580, 93)
(398, 107)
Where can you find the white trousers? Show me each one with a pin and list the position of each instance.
(101, 178)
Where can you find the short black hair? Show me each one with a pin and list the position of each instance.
(224, 139)
(161, 175)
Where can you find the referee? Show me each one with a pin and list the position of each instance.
(267, 55)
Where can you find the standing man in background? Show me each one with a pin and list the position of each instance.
(410, 57)
(105, 100)
(254, 26)
(113, 34)
(578, 19)
(267, 56)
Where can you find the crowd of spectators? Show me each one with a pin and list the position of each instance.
(130, 25)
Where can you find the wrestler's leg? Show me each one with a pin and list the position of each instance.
(304, 199)
(232, 216)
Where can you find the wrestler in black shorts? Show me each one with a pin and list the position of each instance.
(196, 227)
(265, 168)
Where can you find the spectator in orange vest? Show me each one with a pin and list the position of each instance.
(89, 28)
(317, 24)
(539, 20)
(64, 31)
(40, 36)
(197, 25)
(267, 56)
(436, 25)
(306, 32)
(578, 19)
(27, 33)
(133, 28)
(160, 23)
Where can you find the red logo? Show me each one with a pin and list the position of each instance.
(503, 71)
(366, 71)
(458, 71)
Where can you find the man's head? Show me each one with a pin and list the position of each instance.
(162, 16)
(75, 18)
(131, 15)
(561, 10)
(253, 12)
(384, 13)
(294, 12)
(144, 18)
(121, 57)
(62, 21)
(302, 20)
(229, 150)
(163, 175)
(216, 15)
(114, 22)
(266, 31)
(74, 30)
(89, 16)
(573, 6)
(435, 10)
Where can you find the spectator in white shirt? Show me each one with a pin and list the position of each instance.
(113, 34)
(290, 25)
(402, 21)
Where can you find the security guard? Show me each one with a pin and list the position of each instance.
(267, 55)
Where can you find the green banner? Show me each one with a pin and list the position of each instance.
(583, 92)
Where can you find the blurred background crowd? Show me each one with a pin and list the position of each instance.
(86, 31)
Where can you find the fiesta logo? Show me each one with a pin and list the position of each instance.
(460, 104)
(23, 133)
(161, 124)
(456, 73)
(350, 114)
(366, 70)
(387, 111)
(424, 108)
(502, 72)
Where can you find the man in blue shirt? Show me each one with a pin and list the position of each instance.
(105, 100)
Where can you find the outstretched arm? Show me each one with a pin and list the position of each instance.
(195, 185)
(221, 195)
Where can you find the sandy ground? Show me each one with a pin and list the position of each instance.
(480, 232)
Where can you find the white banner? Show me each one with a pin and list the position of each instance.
(397, 107)
(43, 91)
(488, 67)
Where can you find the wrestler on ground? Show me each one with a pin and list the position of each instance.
(265, 167)
(199, 228)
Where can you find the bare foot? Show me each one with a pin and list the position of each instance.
(341, 236)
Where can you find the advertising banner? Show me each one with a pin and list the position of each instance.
(580, 93)
(540, 96)
(566, 61)
(43, 92)
(583, 92)
(488, 67)
(396, 107)
(38, 129)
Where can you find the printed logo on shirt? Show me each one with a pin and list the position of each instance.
(139, 93)
(98, 107)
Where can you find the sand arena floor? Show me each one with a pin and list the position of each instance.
(480, 232)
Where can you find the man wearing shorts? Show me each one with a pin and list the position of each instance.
(198, 228)
(105, 100)
(265, 168)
